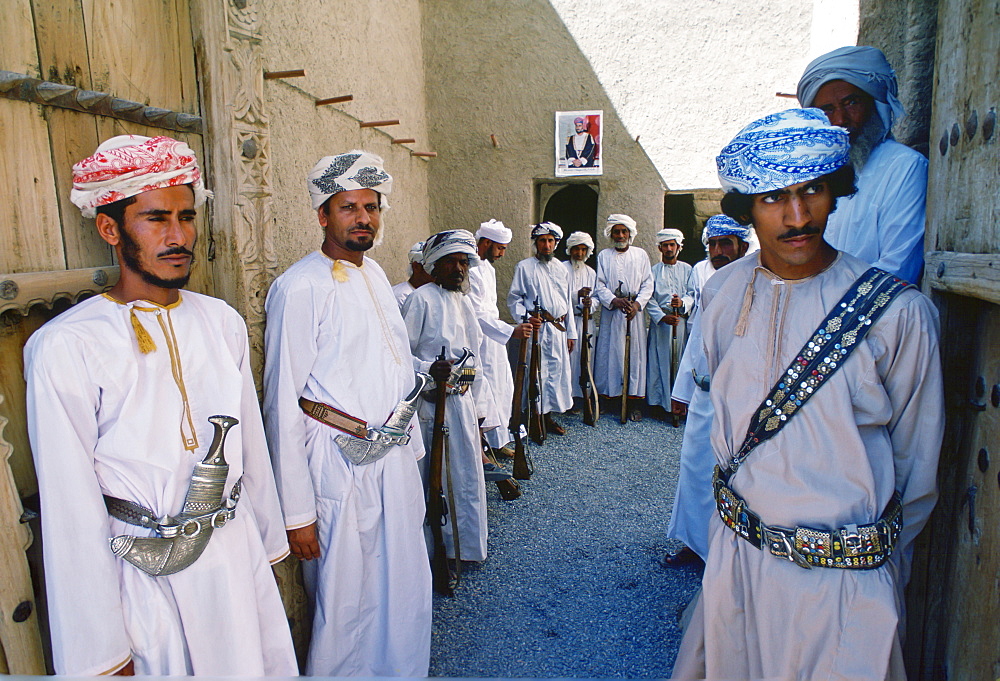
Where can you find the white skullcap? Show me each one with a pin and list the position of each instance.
(620, 219)
(127, 165)
(448, 242)
(346, 172)
(580, 239)
(670, 234)
(417, 252)
(495, 231)
(547, 228)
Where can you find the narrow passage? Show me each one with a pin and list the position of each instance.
(573, 585)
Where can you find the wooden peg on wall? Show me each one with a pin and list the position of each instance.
(495, 141)
(404, 140)
(378, 124)
(425, 154)
(334, 100)
(295, 73)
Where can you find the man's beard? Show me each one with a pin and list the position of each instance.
(130, 256)
(577, 264)
(544, 257)
(621, 245)
(357, 246)
(871, 135)
(720, 261)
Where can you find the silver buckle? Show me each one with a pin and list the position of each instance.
(779, 536)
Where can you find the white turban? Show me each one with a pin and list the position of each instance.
(580, 239)
(127, 165)
(620, 219)
(346, 172)
(866, 68)
(448, 242)
(417, 252)
(495, 231)
(547, 228)
(670, 234)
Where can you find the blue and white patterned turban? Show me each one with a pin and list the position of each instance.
(346, 172)
(620, 219)
(780, 150)
(723, 225)
(495, 231)
(547, 228)
(417, 252)
(669, 234)
(865, 68)
(580, 239)
(448, 242)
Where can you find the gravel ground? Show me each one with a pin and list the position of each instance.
(573, 586)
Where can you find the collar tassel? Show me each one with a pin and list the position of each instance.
(744, 319)
(339, 272)
(142, 337)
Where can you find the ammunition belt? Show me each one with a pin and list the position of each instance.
(168, 528)
(855, 547)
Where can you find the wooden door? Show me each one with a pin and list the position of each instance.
(953, 630)
(72, 74)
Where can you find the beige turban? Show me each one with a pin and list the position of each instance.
(580, 239)
(127, 165)
(670, 234)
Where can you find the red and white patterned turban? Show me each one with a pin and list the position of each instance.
(127, 165)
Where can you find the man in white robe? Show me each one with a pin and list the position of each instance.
(583, 280)
(883, 223)
(492, 238)
(418, 277)
(667, 316)
(120, 389)
(336, 344)
(439, 318)
(544, 279)
(856, 440)
(628, 268)
(694, 503)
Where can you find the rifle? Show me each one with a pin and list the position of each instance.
(628, 353)
(591, 405)
(437, 505)
(509, 489)
(675, 358)
(536, 422)
(522, 464)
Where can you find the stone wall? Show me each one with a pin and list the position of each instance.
(905, 32)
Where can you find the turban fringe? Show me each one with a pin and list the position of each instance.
(495, 231)
(780, 150)
(127, 165)
(448, 242)
(866, 68)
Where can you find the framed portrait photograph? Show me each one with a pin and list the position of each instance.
(578, 143)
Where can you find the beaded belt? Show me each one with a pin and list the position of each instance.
(856, 547)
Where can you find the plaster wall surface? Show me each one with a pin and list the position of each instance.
(370, 50)
(685, 78)
(504, 67)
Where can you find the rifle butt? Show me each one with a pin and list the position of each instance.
(509, 490)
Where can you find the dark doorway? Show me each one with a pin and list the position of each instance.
(574, 208)
(679, 213)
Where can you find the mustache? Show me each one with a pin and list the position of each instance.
(176, 250)
(795, 233)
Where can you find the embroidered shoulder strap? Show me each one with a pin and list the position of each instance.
(825, 351)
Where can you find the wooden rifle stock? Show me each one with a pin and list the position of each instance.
(675, 359)
(590, 404)
(627, 362)
(522, 467)
(536, 421)
(437, 507)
